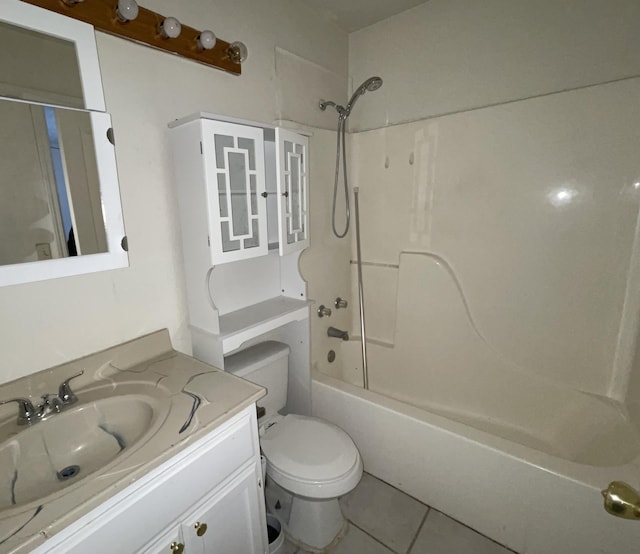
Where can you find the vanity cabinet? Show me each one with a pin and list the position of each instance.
(208, 499)
(223, 522)
(242, 187)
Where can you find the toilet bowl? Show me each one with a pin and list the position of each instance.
(310, 462)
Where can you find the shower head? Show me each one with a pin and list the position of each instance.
(371, 84)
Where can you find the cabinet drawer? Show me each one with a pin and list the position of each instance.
(141, 513)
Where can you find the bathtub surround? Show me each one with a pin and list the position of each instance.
(521, 497)
(498, 181)
(532, 207)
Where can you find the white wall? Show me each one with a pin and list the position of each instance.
(50, 322)
(531, 199)
(449, 55)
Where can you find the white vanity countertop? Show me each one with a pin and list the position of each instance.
(189, 400)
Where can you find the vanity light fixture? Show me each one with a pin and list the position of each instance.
(127, 10)
(170, 28)
(237, 52)
(206, 40)
(128, 20)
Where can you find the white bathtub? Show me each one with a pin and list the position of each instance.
(534, 494)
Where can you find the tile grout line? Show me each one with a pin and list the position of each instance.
(479, 533)
(404, 494)
(398, 489)
(429, 508)
(415, 537)
(374, 538)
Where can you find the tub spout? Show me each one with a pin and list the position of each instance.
(337, 333)
(621, 500)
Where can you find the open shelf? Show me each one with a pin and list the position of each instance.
(241, 325)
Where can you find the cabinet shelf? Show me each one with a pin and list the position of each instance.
(241, 325)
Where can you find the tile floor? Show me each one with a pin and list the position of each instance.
(383, 520)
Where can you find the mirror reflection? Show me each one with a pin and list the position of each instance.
(39, 67)
(50, 205)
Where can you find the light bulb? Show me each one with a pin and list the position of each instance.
(206, 40)
(127, 10)
(170, 28)
(237, 52)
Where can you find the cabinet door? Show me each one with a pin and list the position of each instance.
(292, 173)
(230, 521)
(235, 181)
(169, 543)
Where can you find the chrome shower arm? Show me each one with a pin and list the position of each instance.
(342, 112)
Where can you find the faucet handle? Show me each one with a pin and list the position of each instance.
(65, 394)
(341, 303)
(26, 410)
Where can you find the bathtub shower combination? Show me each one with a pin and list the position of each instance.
(500, 357)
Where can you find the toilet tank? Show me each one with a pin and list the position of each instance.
(267, 365)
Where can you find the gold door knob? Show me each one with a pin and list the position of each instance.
(201, 528)
(177, 547)
(622, 500)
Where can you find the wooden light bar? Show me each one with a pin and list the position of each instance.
(144, 29)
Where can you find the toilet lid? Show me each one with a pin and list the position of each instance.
(309, 449)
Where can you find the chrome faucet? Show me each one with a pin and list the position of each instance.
(65, 394)
(337, 333)
(26, 410)
(51, 403)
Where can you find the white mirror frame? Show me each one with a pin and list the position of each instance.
(53, 24)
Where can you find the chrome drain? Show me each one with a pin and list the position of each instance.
(68, 472)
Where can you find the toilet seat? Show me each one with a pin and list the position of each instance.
(311, 457)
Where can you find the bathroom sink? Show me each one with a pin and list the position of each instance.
(54, 454)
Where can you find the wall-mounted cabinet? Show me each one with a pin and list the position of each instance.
(251, 181)
(292, 190)
(243, 192)
(233, 185)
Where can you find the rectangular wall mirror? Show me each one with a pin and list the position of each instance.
(60, 211)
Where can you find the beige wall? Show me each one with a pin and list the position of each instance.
(450, 55)
(50, 322)
(531, 203)
(325, 265)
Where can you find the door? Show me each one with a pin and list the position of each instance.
(292, 178)
(77, 150)
(230, 521)
(169, 543)
(235, 183)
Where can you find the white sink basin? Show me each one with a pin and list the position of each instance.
(54, 454)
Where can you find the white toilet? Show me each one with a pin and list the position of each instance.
(310, 462)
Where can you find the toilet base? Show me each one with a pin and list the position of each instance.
(312, 524)
(315, 523)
